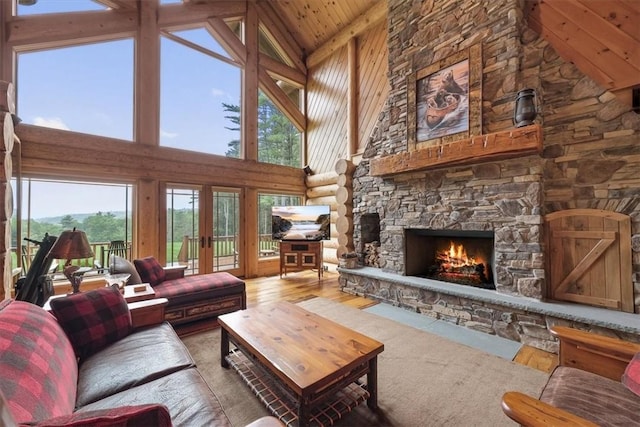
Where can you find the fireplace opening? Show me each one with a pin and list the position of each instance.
(455, 256)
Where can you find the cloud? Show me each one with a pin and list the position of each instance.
(165, 134)
(217, 92)
(53, 122)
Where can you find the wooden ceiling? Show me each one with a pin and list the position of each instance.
(602, 38)
(313, 23)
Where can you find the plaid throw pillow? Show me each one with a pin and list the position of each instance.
(150, 270)
(631, 376)
(93, 320)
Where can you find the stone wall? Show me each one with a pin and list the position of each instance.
(591, 153)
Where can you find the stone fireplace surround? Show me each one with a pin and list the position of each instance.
(508, 197)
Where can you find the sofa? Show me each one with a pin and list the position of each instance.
(596, 382)
(86, 363)
(191, 298)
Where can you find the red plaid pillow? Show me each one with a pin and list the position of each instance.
(150, 270)
(631, 376)
(124, 416)
(93, 320)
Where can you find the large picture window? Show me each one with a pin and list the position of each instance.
(86, 89)
(197, 100)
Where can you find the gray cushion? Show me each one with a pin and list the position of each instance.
(119, 265)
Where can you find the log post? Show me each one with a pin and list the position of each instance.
(344, 199)
(7, 107)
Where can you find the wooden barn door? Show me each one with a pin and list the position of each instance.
(590, 258)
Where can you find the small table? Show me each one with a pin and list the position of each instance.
(309, 359)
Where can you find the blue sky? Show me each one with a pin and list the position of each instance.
(89, 89)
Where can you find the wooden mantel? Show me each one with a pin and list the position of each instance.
(482, 148)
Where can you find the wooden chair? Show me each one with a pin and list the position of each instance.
(605, 357)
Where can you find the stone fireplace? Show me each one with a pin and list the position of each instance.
(462, 257)
(589, 160)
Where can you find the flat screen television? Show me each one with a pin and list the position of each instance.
(301, 222)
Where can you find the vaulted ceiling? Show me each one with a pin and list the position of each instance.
(602, 38)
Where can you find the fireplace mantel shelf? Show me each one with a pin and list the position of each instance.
(482, 148)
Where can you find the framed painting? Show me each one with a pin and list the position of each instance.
(445, 100)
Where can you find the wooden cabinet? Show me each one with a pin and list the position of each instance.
(297, 255)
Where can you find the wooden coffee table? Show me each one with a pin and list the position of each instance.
(307, 360)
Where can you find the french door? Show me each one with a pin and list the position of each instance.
(204, 230)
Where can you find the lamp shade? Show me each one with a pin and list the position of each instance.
(71, 244)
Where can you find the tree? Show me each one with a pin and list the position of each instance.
(68, 222)
(103, 227)
(234, 145)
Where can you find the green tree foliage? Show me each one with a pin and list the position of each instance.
(278, 139)
(68, 222)
(103, 227)
(234, 145)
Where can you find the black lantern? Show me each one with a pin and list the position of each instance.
(525, 111)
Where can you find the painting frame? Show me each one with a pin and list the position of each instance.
(467, 64)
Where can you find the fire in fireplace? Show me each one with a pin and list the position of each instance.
(455, 256)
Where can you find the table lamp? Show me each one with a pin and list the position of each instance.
(71, 244)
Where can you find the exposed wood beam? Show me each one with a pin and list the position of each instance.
(178, 16)
(373, 16)
(227, 39)
(352, 101)
(147, 75)
(283, 71)
(49, 153)
(280, 99)
(119, 4)
(53, 30)
(199, 48)
(277, 29)
(249, 105)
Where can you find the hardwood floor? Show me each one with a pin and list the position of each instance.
(300, 286)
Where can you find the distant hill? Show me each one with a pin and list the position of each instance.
(77, 216)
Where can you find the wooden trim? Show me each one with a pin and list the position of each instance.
(119, 4)
(147, 77)
(227, 39)
(282, 71)
(483, 148)
(275, 27)
(55, 30)
(177, 16)
(352, 102)
(371, 17)
(280, 99)
(250, 78)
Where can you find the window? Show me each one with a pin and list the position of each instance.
(279, 141)
(183, 227)
(85, 88)
(266, 245)
(196, 116)
(101, 210)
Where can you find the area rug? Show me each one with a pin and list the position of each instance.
(423, 379)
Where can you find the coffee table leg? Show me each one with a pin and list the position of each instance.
(224, 348)
(303, 415)
(372, 383)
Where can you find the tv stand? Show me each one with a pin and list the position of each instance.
(301, 255)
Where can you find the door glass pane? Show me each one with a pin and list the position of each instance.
(266, 245)
(182, 228)
(226, 230)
